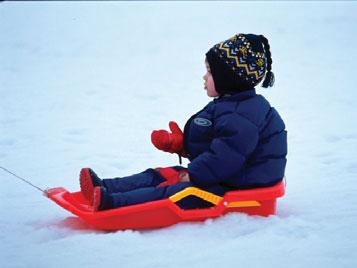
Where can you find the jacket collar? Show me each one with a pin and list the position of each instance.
(237, 96)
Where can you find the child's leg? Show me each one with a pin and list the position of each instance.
(156, 193)
(147, 178)
(146, 194)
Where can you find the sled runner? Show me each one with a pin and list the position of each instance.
(162, 213)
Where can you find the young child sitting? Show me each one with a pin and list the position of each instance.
(237, 141)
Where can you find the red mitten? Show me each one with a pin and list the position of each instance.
(168, 142)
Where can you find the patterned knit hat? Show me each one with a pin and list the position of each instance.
(240, 63)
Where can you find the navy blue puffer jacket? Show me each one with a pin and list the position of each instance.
(238, 141)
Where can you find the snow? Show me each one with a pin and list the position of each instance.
(84, 83)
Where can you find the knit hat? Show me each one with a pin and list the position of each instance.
(240, 63)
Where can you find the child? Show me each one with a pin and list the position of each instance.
(237, 141)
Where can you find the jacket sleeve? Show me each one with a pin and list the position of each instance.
(235, 138)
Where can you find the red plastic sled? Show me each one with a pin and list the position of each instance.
(162, 213)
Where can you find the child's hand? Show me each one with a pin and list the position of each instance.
(172, 176)
(166, 141)
(184, 177)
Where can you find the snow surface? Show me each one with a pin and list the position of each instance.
(84, 83)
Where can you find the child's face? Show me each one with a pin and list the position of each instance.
(209, 83)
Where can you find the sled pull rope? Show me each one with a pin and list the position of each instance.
(24, 180)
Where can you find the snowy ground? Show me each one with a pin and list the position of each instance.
(84, 83)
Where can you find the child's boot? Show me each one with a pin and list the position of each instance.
(88, 180)
(101, 199)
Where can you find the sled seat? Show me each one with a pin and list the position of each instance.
(162, 213)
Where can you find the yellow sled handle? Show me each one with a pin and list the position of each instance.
(209, 197)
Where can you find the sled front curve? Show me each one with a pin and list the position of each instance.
(162, 213)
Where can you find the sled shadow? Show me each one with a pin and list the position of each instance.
(75, 224)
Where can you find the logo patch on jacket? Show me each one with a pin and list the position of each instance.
(202, 122)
